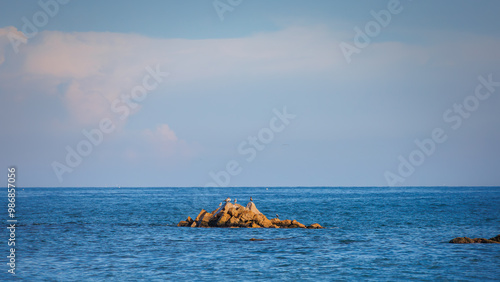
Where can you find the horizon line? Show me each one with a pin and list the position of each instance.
(413, 186)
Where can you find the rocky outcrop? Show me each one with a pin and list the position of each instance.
(467, 240)
(235, 215)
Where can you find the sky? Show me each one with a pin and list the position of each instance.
(250, 93)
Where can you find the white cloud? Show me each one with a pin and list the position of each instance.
(94, 69)
(162, 134)
(86, 71)
(7, 35)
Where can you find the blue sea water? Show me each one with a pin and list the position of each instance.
(130, 234)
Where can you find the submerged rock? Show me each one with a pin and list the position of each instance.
(467, 240)
(314, 226)
(235, 215)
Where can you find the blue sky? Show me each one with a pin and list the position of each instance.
(358, 118)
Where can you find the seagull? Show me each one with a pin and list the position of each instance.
(277, 216)
(235, 200)
(251, 200)
(220, 204)
(227, 200)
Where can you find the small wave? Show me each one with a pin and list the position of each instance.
(349, 241)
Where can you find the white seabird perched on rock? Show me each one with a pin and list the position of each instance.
(251, 200)
(220, 204)
(227, 200)
(235, 200)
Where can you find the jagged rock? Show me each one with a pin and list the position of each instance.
(235, 216)
(182, 223)
(234, 222)
(245, 224)
(213, 221)
(235, 212)
(223, 219)
(204, 219)
(262, 220)
(251, 207)
(186, 222)
(496, 238)
(284, 223)
(198, 217)
(467, 240)
(298, 224)
(247, 215)
(227, 207)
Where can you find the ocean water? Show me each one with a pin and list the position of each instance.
(130, 234)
